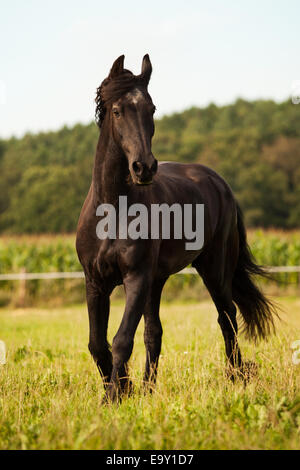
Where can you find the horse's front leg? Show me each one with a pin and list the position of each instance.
(98, 309)
(153, 333)
(136, 288)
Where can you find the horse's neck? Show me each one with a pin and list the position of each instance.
(110, 172)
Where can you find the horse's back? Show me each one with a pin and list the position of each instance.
(193, 180)
(193, 171)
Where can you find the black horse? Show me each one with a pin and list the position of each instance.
(125, 166)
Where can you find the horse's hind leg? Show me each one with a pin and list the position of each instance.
(98, 309)
(227, 321)
(153, 332)
(219, 285)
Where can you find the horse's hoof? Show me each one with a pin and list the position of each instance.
(114, 395)
(104, 400)
(148, 387)
(245, 372)
(128, 389)
(115, 392)
(249, 370)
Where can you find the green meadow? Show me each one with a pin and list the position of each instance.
(51, 392)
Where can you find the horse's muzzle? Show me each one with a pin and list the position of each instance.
(143, 173)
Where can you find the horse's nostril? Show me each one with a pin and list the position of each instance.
(154, 167)
(137, 167)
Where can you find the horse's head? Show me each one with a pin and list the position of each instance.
(124, 104)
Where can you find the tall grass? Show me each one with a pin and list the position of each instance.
(51, 393)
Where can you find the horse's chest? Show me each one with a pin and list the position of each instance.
(115, 258)
(106, 259)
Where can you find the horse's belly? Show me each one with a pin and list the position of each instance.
(174, 257)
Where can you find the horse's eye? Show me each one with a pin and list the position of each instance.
(116, 113)
(153, 109)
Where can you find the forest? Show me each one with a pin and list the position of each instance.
(254, 145)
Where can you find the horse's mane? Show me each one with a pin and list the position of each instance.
(111, 89)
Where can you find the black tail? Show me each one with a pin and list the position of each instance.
(257, 311)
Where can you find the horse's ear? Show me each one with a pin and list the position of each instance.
(146, 69)
(117, 67)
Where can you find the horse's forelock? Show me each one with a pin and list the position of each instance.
(111, 89)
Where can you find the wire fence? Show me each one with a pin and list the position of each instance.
(23, 275)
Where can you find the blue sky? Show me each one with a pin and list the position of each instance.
(55, 53)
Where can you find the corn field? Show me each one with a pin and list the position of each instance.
(56, 253)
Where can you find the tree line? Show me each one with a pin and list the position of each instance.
(255, 146)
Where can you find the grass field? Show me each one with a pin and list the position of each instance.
(50, 392)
